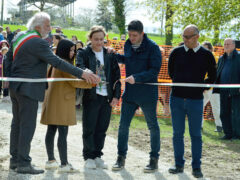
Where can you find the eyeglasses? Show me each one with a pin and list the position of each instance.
(189, 36)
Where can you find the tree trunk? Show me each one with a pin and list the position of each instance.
(120, 19)
(169, 23)
(216, 35)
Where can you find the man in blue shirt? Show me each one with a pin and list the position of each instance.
(142, 59)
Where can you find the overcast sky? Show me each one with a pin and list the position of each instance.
(135, 13)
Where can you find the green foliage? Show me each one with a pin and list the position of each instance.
(120, 19)
(104, 14)
(213, 16)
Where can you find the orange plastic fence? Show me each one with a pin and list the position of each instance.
(163, 110)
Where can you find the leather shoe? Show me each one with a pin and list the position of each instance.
(197, 173)
(176, 170)
(29, 170)
(226, 137)
(12, 166)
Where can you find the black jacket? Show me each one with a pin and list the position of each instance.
(235, 72)
(86, 59)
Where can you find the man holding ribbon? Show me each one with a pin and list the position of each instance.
(142, 59)
(28, 57)
(189, 64)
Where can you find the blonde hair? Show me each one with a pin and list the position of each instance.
(96, 29)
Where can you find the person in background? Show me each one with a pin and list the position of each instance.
(56, 39)
(189, 64)
(98, 101)
(74, 39)
(3, 44)
(6, 97)
(60, 96)
(1, 35)
(10, 34)
(213, 98)
(228, 72)
(79, 45)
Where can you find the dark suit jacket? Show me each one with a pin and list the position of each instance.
(31, 62)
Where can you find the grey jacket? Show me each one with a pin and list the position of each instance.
(31, 62)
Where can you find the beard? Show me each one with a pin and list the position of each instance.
(44, 35)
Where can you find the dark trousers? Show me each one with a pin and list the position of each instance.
(230, 114)
(5, 92)
(62, 142)
(193, 109)
(127, 112)
(96, 119)
(23, 126)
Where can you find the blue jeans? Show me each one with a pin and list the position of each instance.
(127, 112)
(193, 108)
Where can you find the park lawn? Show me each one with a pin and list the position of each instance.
(208, 135)
(82, 35)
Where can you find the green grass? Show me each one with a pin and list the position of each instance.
(208, 134)
(82, 35)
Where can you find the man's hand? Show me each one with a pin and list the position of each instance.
(91, 78)
(114, 102)
(130, 80)
(110, 50)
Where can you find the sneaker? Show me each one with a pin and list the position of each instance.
(100, 163)
(6, 99)
(67, 169)
(152, 166)
(90, 164)
(120, 163)
(51, 165)
(218, 129)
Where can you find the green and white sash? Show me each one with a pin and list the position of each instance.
(22, 39)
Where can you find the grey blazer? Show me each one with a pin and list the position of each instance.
(31, 62)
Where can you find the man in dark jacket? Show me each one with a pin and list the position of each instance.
(189, 64)
(228, 72)
(142, 59)
(28, 57)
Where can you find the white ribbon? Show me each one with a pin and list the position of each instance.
(155, 84)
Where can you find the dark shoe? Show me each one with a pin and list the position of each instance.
(119, 164)
(218, 129)
(176, 170)
(197, 173)
(152, 166)
(29, 170)
(226, 137)
(13, 166)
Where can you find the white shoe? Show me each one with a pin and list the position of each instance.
(51, 165)
(100, 163)
(6, 99)
(67, 169)
(90, 164)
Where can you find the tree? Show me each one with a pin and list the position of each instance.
(210, 15)
(161, 9)
(120, 15)
(104, 14)
(86, 19)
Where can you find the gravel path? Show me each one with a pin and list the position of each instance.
(135, 161)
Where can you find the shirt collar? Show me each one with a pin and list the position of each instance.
(194, 49)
